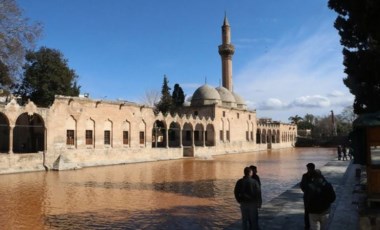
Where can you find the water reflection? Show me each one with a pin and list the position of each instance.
(201, 188)
(180, 194)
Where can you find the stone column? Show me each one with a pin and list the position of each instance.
(167, 138)
(192, 139)
(11, 128)
(180, 138)
(204, 138)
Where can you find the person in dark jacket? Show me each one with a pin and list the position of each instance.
(254, 174)
(306, 179)
(246, 193)
(257, 178)
(321, 195)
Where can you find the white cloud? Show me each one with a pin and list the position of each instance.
(272, 104)
(299, 72)
(312, 101)
(336, 93)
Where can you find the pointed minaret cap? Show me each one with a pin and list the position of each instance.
(226, 23)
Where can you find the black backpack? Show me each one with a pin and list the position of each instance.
(321, 195)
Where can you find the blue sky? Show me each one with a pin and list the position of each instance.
(287, 58)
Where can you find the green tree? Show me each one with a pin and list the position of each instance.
(165, 104)
(307, 122)
(17, 35)
(178, 97)
(295, 119)
(358, 24)
(47, 74)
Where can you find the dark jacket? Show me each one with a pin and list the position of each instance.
(306, 179)
(247, 190)
(320, 196)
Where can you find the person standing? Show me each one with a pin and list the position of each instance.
(321, 196)
(339, 150)
(254, 173)
(246, 193)
(257, 178)
(304, 184)
(344, 151)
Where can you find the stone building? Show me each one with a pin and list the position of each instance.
(79, 132)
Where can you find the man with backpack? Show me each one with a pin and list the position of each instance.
(247, 194)
(306, 179)
(321, 195)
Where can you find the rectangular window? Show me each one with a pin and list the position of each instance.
(107, 137)
(142, 137)
(88, 137)
(221, 135)
(251, 135)
(249, 117)
(228, 135)
(125, 138)
(247, 135)
(224, 113)
(238, 115)
(70, 137)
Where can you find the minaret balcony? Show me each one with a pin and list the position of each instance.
(226, 49)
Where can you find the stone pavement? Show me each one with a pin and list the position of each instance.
(286, 211)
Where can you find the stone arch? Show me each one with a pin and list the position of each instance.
(4, 133)
(29, 134)
(274, 136)
(228, 132)
(187, 131)
(71, 131)
(247, 132)
(198, 135)
(142, 133)
(269, 136)
(221, 131)
(174, 134)
(258, 136)
(159, 134)
(126, 133)
(252, 132)
(108, 132)
(210, 135)
(264, 136)
(90, 132)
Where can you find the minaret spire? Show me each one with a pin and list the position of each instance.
(226, 50)
(225, 22)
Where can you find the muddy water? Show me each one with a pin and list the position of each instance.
(179, 194)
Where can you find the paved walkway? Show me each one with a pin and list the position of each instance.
(286, 211)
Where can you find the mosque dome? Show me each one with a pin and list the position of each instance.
(205, 95)
(240, 103)
(228, 99)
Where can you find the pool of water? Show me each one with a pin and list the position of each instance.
(179, 194)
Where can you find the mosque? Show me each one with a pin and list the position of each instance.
(77, 132)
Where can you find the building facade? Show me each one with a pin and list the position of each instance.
(78, 132)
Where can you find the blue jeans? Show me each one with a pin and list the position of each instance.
(249, 216)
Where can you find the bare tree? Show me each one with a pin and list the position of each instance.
(17, 35)
(348, 114)
(151, 97)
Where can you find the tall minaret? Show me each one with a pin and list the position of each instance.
(226, 50)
